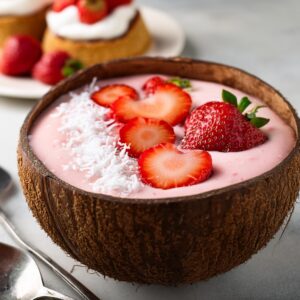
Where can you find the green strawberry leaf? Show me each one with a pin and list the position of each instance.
(182, 83)
(253, 112)
(229, 98)
(259, 122)
(67, 71)
(244, 103)
(71, 67)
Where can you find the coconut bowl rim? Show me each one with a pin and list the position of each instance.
(24, 144)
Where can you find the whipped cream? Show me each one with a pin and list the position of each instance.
(21, 7)
(67, 24)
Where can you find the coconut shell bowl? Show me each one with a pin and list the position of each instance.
(167, 241)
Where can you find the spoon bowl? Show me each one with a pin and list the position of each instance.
(20, 277)
(6, 184)
(5, 181)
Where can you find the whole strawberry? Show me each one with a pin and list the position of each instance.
(55, 66)
(19, 55)
(152, 84)
(222, 126)
(92, 11)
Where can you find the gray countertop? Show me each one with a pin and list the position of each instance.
(260, 36)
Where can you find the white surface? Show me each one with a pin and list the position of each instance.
(261, 36)
(168, 40)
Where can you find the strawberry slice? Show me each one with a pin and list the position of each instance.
(152, 84)
(169, 103)
(59, 5)
(165, 167)
(142, 134)
(107, 95)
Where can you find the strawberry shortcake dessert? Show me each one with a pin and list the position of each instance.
(95, 31)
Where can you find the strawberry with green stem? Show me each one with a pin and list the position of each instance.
(244, 103)
(55, 66)
(223, 126)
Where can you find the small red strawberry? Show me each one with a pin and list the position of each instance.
(112, 4)
(141, 134)
(152, 84)
(107, 95)
(165, 167)
(92, 11)
(55, 66)
(221, 126)
(59, 5)
(19, 55)
(168, 103)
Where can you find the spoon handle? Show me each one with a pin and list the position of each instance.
(67, 277)
(50, 294)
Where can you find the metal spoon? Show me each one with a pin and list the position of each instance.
(5, 185)
(20, 277)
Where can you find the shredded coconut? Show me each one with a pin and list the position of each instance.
(94, 145)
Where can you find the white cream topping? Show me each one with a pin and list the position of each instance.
(92, 143)
(67, 24)
(22, 7)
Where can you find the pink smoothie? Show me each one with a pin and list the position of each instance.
(72, 161)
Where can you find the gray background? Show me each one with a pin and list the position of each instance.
(262, 37)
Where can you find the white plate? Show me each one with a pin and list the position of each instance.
(24, 88)
(168, 41)
(167, 34)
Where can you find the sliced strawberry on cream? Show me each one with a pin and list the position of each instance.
(141, 134)
(169, 103)
(165, 167)
(107, 95)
